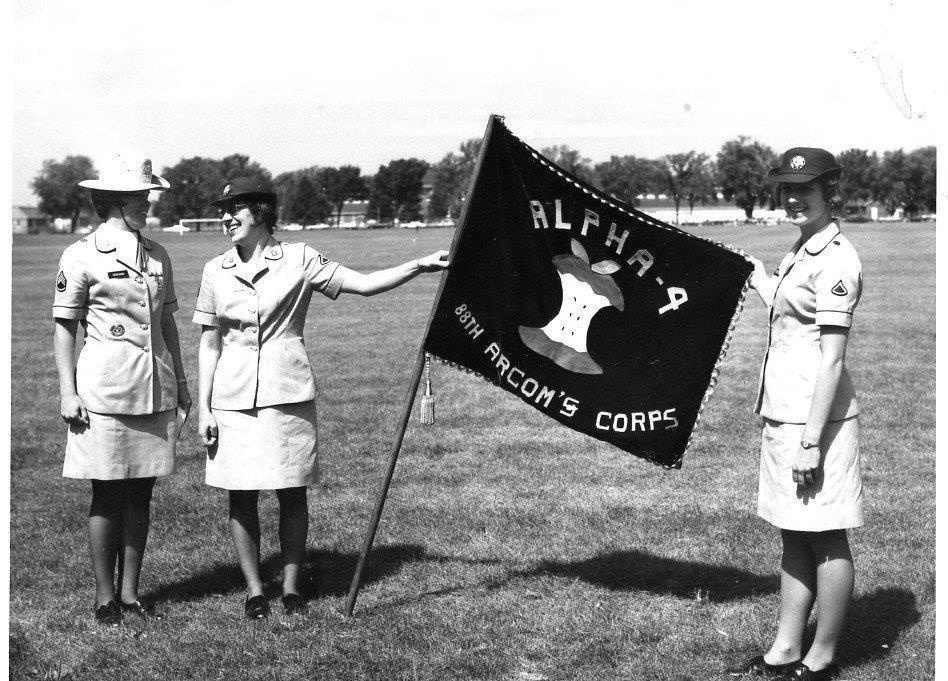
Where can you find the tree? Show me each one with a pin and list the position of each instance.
(396, 191)
(627, 177)
(908, 180)
(301, 197)
(685, 177)
(743, 165)
(451, 179)
(340, 185)
(571, 161)
(859, 180)
(240, 165)
(57, 186)
(197, 181)
(702, 188)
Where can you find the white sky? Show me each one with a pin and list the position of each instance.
(300, 84)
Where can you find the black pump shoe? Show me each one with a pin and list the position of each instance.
(256, 608)
(800, 672)
(109, 614)
(759, 667)
(140, 610)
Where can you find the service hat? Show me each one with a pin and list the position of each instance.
(805, 164)
(245, 188)
(124, 172)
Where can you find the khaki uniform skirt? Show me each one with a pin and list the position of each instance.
(834, 501)
(265, 448)
(121, 446)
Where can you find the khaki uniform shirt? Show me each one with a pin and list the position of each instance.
(260, 311)
(817, 285)
(124, 366)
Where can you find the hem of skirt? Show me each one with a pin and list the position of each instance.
(112, 475)
(815, 524)
(258, 487)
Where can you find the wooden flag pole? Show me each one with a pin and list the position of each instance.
(412, 389)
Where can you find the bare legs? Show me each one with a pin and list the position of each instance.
(820, 565)
(118, 531)
(245, 532)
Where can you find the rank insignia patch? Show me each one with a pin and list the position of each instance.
(61, 282)
(839, 289)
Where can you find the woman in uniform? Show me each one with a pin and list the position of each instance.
(810, 485)
(256, 395)
(120, 398)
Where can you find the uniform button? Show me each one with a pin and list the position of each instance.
(141, 303)
(253, 348)
(253, 331)
(139, 280)
(251, 310)
(144, 349)
(144, 327)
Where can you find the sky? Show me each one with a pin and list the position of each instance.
(296, 84)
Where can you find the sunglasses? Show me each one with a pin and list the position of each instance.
(231, 208)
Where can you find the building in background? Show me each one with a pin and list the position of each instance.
(30, 220)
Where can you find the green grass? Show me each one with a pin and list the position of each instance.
(510, 547)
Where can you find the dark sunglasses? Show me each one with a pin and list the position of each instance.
(231, 208)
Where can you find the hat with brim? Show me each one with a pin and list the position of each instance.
(805, 164)
(245, 188)
(126, 174)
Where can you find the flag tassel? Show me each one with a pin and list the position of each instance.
(427, 401)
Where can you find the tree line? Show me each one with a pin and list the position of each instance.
(738, 173)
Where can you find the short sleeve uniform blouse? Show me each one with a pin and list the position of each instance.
(263, 389)
(124, 374)
(819, 284)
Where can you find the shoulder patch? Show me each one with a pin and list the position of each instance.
(323, 260)
(61, 281)
(839, 289)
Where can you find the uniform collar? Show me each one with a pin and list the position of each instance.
(123, 244)
(272, 251)
(816, 243)
(231, 260)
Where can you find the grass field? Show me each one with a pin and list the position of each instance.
(511, 547)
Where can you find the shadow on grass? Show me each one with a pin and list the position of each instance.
(640, 571)
(875, 620)
(325, 573)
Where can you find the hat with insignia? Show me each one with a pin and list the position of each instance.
(245, 188)
(125, 172)
(805, 164)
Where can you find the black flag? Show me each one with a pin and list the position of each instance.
(598, 315)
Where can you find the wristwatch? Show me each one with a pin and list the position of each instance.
(809, 445)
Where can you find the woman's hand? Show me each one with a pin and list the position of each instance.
(759, 275)
(806, 464)
(436, 261)
(184, 396)
(73, 410)
(207, 428)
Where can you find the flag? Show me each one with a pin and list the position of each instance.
(600, 316)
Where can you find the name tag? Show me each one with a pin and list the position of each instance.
(121, 274)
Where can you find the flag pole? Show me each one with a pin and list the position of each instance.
(413, 385)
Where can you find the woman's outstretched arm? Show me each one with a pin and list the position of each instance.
(384, 280)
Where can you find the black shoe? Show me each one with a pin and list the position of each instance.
(140, 610)
(759, 667)
(293, 604)
(109, 614)
(256, 608)
(800, 672)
